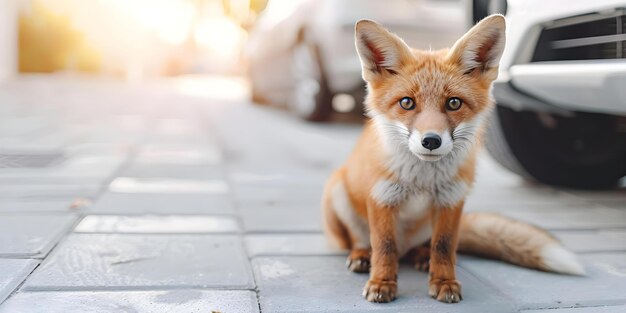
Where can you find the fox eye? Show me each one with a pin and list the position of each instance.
(453, 104)
(407, 103)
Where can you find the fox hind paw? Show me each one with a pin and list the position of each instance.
(358, 265)
(359, 260)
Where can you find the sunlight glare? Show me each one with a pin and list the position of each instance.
(219, 35)
(171, 20)
(277, 10)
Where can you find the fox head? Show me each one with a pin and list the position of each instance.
(430, 102)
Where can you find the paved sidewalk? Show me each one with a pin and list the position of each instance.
(117, 198)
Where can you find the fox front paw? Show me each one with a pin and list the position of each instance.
(448, 291)
(380, 291)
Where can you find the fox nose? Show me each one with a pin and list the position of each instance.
(431, 141)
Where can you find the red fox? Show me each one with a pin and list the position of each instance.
(401, 192)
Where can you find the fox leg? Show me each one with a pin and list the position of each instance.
(443, 285)
(345, 226)
(382, 285)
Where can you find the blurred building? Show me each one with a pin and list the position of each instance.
(132, 39)
(8, 38)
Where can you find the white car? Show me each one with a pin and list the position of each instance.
(561, 92)
(301, 53)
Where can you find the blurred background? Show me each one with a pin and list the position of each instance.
(558, 92)
(131, 39)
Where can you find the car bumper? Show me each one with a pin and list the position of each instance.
(590, 86)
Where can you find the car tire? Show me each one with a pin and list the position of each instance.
(311, 98)
(586, 151)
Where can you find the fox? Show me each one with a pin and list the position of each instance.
(400, 194)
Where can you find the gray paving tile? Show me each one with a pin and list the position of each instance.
(519, 194)
(109, 262)
(91, 148)
(194, 139)
(489, 172)
(51, 180)
(284, 218)
(474, 204)
(32, 235)
(179, 154)
(49, 190)
(164, 224)
(594, 240)
(604, 283)
(147, 203)
(277, 195)
(609, 195)
(615, 204)
(168, 186)
(180, 125)
(563, 215)
(84, 167)
(255, 172)
(179, 171)
(597, 309)
(576, 218)
(29, 206)
(100, 134)
(290, 244)
(132, 301)
(12, 273)
(276, 178)
(323, 284)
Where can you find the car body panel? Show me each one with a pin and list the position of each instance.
(422, 24)
(270, 46)
(583, 85)
(575, 85)
(329, 24)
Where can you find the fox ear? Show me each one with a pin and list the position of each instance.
(481, 47)
(380, 51)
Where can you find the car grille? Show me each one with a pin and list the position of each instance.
(584, 37)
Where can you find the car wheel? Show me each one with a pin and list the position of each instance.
(585, 151)
(311, 98)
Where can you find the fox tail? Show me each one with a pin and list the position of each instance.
(497, 237)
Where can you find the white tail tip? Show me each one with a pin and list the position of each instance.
(558, 259)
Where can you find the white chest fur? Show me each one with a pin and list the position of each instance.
(421, 184)
(415, 207)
